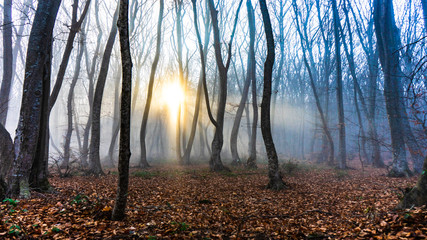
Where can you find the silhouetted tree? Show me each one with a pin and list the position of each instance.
(94, 161)
(388, 40)
(143, 160)
(125, 109)
(274, 175)
(34, 115)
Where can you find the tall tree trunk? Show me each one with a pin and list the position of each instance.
(275, 178)
(116, 121)
(388, 44)
(202, 79)
(69, 133)
(29, 143)
(372, 57)
(6, 83)
(218, 140)
(342, 155)
(94, 161)
(143, 161)
(251, 162)
(242, 104)
(181, 107)
(125, 111)
(90, 68)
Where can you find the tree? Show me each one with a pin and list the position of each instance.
(215, 162)
(245, 91)
(324, 123)
(274, 175)
(125, 110)
(388, 44)
(143, 160)
(94, 161)
(251, 162)
(417, 196)
(29, 141)
(6, 83)
(75, 28)
(66, 160)
(201, 83)
(340, 101)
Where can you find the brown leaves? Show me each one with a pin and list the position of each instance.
(188, 204)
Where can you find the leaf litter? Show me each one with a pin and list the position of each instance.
(193, 203)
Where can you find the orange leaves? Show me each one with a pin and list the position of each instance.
(197, 204)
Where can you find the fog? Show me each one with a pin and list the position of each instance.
(296, 126)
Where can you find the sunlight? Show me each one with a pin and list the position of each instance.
(171, 96)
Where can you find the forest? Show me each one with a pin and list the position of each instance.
(213, 119)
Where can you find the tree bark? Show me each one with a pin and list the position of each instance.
(6, 83)
(94, 161)
(143, 160)
(6, 154)
(388, 44)
(275, 178)
(417, 196)
(125, 111)
(32, 126)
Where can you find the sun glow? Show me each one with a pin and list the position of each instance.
(172, 95)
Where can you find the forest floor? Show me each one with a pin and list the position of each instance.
(194, 203)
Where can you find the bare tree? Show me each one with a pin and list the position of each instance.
(340, 101)
(29, 141)
(275, 178)
(143, 163)
(6, 83)
(250, 67)
(69, 133)
(125, 111)
(388, 44)
(94, 161)
(218, 141)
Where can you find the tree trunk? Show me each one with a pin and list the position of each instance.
(6, 83)
(90, 68)
(324, 123)
(116, 122)
(143, 161)
(202, 79)
(342, 155)
(69, 133)
(33, 119)
(251, 162)
(75, 28)
(388, 44)
(417, 197)
(125, 111)
(6, 154)
(94, 161)
(242, 104)
(275, 178)
(215, 162)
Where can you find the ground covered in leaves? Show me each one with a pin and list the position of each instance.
(193, 203)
